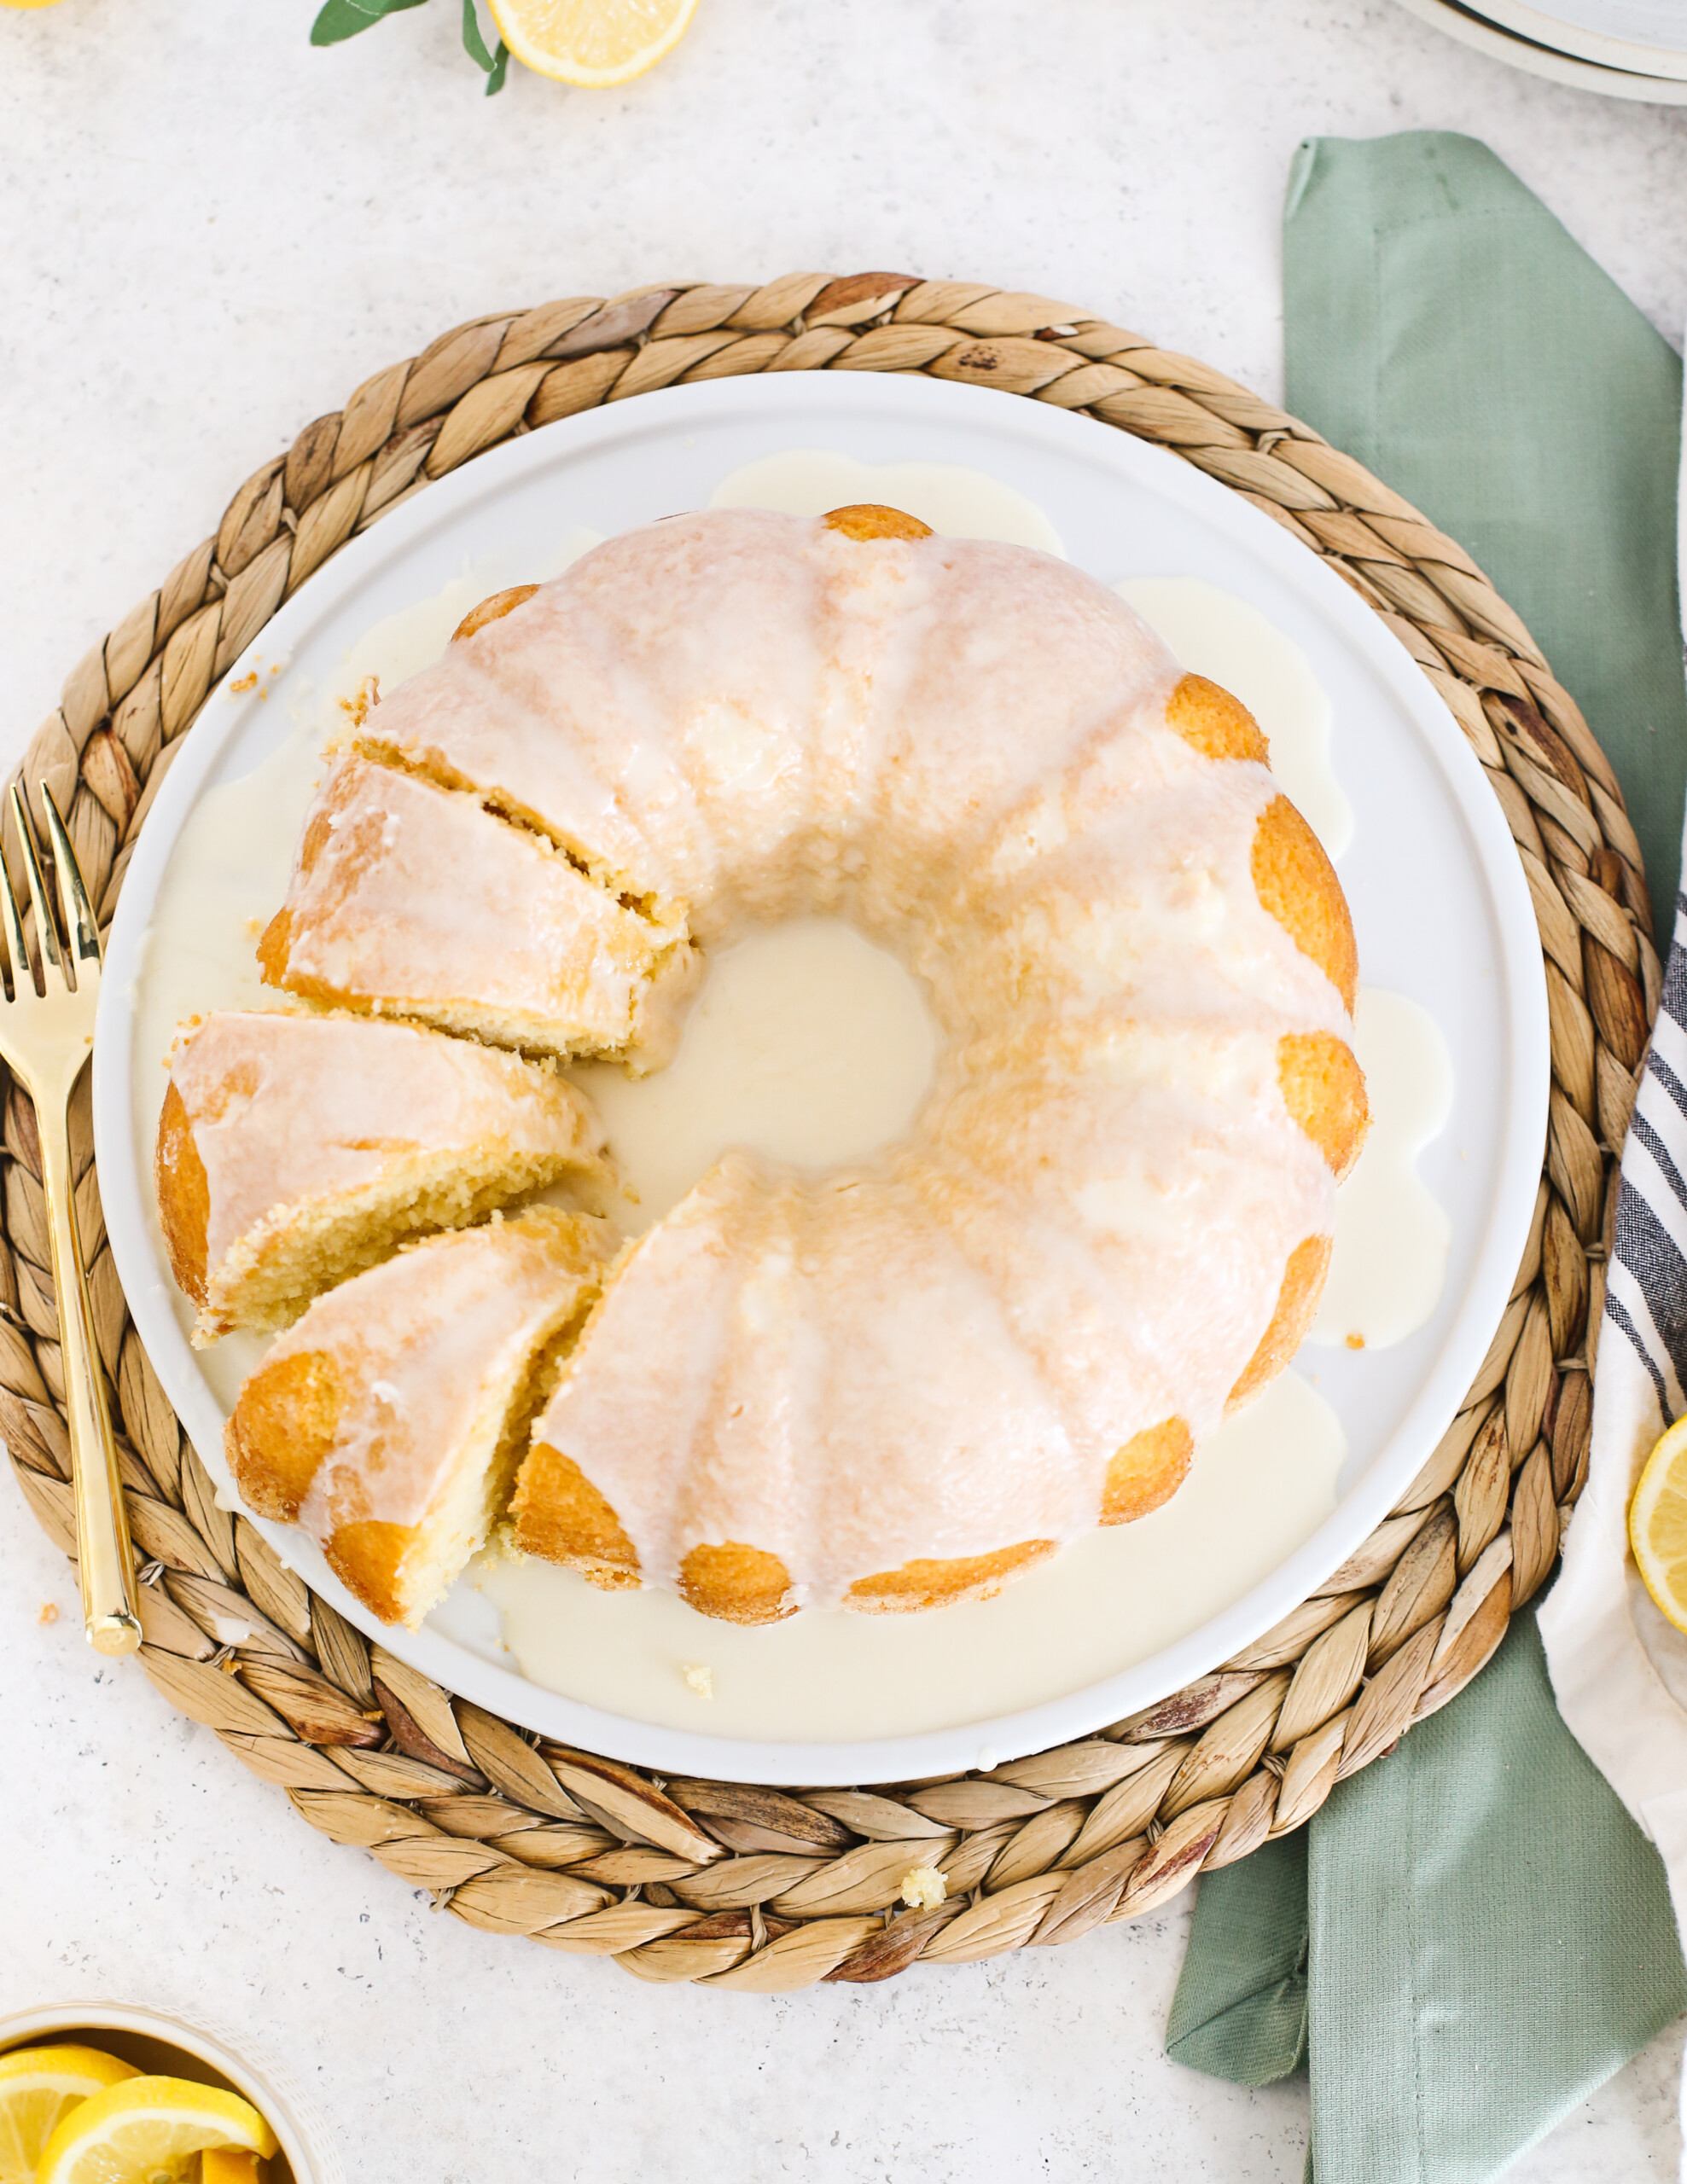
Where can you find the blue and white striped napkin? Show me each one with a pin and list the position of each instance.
(1646, 1292)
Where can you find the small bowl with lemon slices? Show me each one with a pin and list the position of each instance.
(101, 2093)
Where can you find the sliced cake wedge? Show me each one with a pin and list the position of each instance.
(295, 1150)
(390, 1420)
(416, 899)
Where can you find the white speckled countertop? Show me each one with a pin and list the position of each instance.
(212, 233)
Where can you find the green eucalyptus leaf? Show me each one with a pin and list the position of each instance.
(343, 19)
(337, 20)
(474, 44)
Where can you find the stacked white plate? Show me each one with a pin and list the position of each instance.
(1627, 48)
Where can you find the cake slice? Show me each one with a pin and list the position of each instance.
(573, 1505)
(390, 1420)
(295, 1150)
(418, 900)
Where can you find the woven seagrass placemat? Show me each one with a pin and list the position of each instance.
(764, 1890)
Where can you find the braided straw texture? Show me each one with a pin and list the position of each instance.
(760, 1890)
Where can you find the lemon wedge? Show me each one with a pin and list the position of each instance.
(38, 2087)
(1657, 1523)
(229, 2165)
(596, 42)
(150, 2131)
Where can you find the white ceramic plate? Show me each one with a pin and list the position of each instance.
(1438, 901)
(1538, 45)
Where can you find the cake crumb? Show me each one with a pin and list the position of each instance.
(700, 1677)
(356, 708)
(1356, 1342)
(50, 1611)
(245, 683)
(923, 1888)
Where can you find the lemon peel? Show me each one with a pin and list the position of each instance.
(596, 43)
(150, 2130)
(1657, 1523)
(39, 2088)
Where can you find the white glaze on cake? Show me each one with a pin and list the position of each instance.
(751, 716)
(565, 712)
(289, 1111)
(420, 1343)
(420, 900)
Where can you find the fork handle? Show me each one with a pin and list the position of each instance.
(111, 1612)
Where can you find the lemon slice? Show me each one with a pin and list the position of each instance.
(1657, 1523)
(592, 41)
(229, 2165)
(150, 2131)
(38, 2087)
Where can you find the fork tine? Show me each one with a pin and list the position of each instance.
(46, 931)
(80, 930)
(22, 975)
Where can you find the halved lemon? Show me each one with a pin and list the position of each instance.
(1657, 1523)
(150, 2131)
(596, 42)
(38, 2087)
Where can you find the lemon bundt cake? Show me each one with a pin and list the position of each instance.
(891, 1384)
(390, 1419)
(293, 1150)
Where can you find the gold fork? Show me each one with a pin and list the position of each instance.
(47, 1037)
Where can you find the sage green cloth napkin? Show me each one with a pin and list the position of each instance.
(1472, 1934)
(1441, 326)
